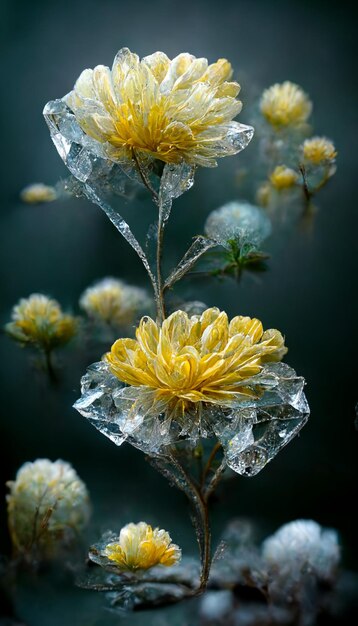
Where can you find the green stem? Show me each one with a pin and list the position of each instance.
(202, 525)
(49, 366)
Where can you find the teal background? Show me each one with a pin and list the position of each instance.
(60, 248)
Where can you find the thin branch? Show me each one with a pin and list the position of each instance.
(144, 177)
(214, 481)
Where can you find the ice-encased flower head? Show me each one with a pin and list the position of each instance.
(238, 221)
(39, 320)
(48, 505)
(140, 547)
(285, 105)
(171, 110)
(318, 151)
(112, 301)
(198, 376)
(299, 552)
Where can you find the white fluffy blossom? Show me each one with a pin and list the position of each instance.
(301, 548)
(48, 504)
(239, 221)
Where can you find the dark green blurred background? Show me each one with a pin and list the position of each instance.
(62, 247)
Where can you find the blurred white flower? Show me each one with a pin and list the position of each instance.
(48, 505)
(301, 548)
(238, 221)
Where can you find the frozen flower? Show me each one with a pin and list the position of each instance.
(140, 547)
(301, 547)
(318, 151)
(198, 376)
(283, 178)
(38, 320)
(48, 504)
(171, 110)
(238, 221)
(189, 360)
(37, 193)
(112, 301)
(285, 104)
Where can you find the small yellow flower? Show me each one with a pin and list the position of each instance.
(285, 104)
(318, 151)
(37, 193)
(113, 302)
(39, 320)
(263, 194)
(283, 178)
(141, 547)
(188, 360)
(172, 110)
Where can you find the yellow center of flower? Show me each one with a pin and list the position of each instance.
(319, 150)
(141, 547)
(171, 110)
(194, 359)
(285, 104)
(283, 177)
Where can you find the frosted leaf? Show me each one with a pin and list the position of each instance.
(239, 221)
(199, 246)
(254, 434)
(175, 180)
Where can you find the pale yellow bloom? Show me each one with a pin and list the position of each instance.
(285, 104)
(263, 194)
(318, 151)
(172, 110)
(37, 193)
(40, 320)
(283, 177)
(113, 302)
(141, 547)
(188, 360)
(47, 503)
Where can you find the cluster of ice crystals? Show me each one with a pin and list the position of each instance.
(251, 434)
(238, 221)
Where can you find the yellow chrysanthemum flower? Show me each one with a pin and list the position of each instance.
(318, 150)
(141, 547)
(113, 302)
(188, 360)
(283, 178)
(37, 193)
(285, 104)
(39, 320)
(172, 110)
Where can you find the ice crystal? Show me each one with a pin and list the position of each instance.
(251, 434)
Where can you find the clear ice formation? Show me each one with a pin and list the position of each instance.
(251, 433)
(100, 178)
